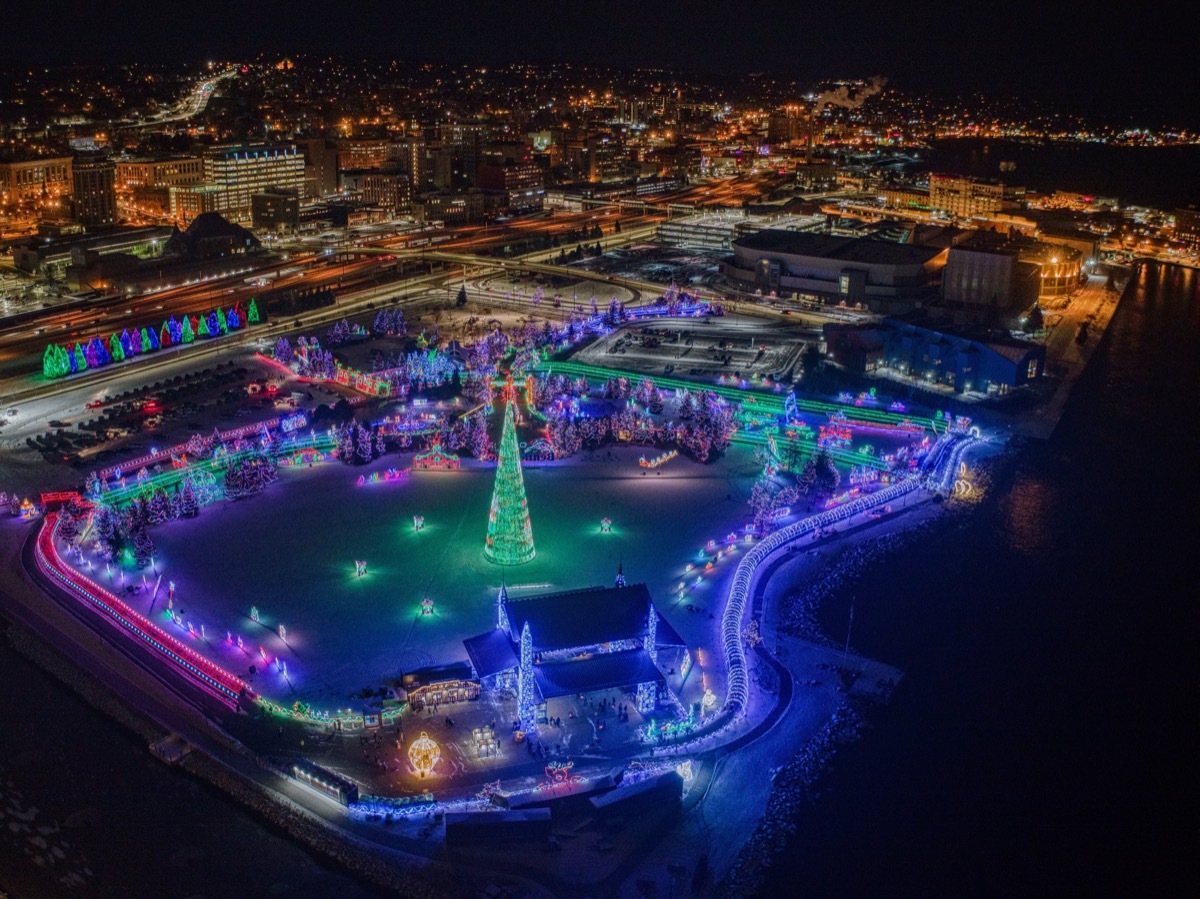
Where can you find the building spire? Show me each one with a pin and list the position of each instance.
(620, 582)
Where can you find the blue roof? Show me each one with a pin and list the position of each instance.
(605, 671)
(581, 617)
(491, 653)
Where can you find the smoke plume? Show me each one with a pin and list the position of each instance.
(842, 97)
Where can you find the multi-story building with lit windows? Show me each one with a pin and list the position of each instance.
(140, 172)
(94, 189)
(233, 174)
(964, 197)
(34, 183)
(520, 182)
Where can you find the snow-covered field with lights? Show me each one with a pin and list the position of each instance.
(290, 552)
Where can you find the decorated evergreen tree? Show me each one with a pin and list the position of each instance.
(143, 547)
(54, 361)
(189, 506)
(510, 534)
(115, 350)
(346, 446)
(252, 316)
(160, 507)
(186, 332)
(68, 528)
(362, 441)
(108, 535)
(222, 322)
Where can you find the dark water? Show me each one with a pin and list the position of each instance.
(1159, 177)
(1043, 741)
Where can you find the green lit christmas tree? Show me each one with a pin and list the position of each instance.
(509, 534)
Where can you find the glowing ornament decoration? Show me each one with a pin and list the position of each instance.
(509, 534)
(283, 633)
(427, 606)
(418, 522)
(254, 613)
(360, 568)
(424, 753)
(605, 525)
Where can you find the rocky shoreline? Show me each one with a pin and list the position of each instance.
(792, 784)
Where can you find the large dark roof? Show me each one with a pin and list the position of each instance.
(491, 653)
(581, 617)
(208, 226)
(605, 671)
(846, 249)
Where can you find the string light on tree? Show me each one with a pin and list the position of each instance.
(509, 534)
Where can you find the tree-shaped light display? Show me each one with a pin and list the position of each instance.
(509, 534)
(424, 754)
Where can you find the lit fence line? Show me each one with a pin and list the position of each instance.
(164, 455)
(939, 479)
(193, 663)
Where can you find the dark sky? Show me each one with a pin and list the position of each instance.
(1066, 50)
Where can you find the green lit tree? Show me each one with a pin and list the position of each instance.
(252, 313)
(115, 349)
(188, 334)
(509, 534)
(55, 363)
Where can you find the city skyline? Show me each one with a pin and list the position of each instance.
(1015, 50)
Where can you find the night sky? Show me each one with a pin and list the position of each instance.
(1069, 52)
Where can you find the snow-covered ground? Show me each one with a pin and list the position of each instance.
(290, 553)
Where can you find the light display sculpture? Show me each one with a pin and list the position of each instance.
(424, 754)
(509, 534)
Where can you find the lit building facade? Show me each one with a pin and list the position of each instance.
(135, 173)
(35, 183)
(94, 189)
(963, 197)
(232, 175)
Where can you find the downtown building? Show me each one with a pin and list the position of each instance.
(41, 185)
(961, 197)
(233, 175)
(94, 189)
(883, 276)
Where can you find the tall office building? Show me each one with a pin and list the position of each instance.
(94, 188)
(233, 174)
(320, 166)
(412, 155)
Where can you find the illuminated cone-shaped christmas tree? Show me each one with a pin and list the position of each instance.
(509, 535)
